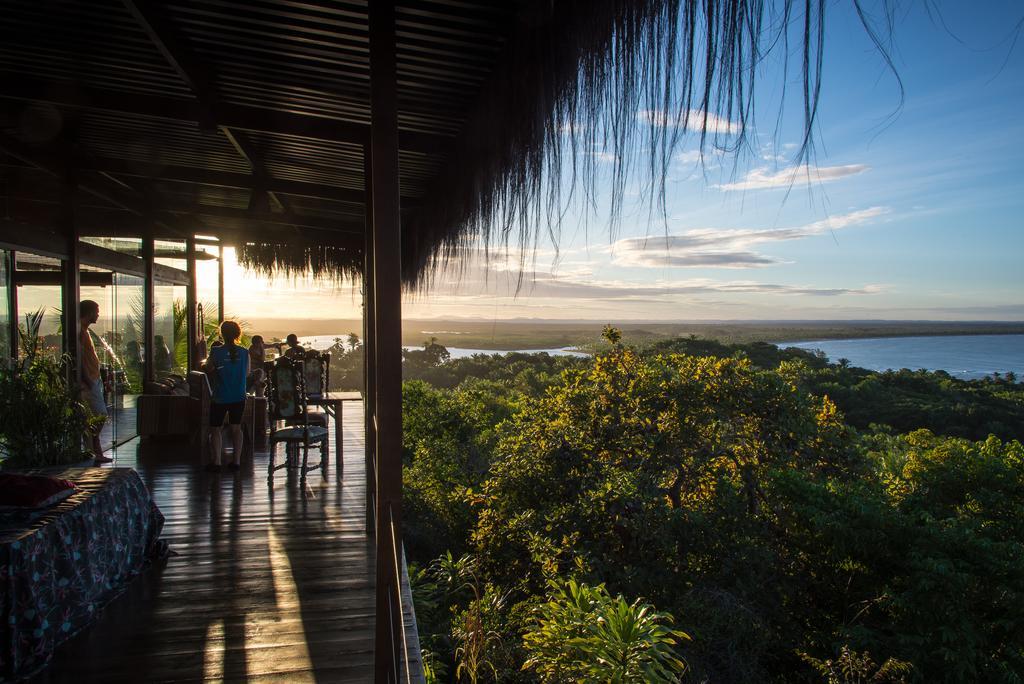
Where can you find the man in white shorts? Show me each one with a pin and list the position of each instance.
(92, 385)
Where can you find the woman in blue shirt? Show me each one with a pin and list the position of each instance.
(228, 367)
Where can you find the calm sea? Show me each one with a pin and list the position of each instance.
(964, 356)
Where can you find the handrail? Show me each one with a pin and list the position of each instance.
(402, 653)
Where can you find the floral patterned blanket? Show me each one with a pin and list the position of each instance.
(59, 566)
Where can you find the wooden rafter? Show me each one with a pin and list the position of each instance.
(157, 25)
(119, 194)
(65, 93)
(226, 179)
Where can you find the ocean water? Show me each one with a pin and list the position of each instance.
(325, 341)
(963, 356)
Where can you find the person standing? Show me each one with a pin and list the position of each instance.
(228, 368)
(91, 384)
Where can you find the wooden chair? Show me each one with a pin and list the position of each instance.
(286, 402)
(316, 368)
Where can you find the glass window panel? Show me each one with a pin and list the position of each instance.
(131, 246)
(5, 316)
(128, 335)
(44, 300)
(169, 330)
(171, 253)
(206, 280)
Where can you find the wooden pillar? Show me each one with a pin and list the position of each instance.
(191, 324)
(220, 284)
(71, 285)
(387, 296)
(12, 302)
(149, 304)
(369, 352)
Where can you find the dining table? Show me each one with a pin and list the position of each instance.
(333, 404)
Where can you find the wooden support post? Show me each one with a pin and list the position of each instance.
(369, 353)
(220, 284)
(192, 324)
(71, 285)
(149, 311)
(12, 302)
(387, 313)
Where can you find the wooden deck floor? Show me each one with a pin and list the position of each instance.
(266, 584)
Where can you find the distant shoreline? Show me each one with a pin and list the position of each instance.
(511, 335)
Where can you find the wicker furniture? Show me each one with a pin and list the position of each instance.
(169, 416)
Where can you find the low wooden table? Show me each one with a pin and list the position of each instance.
(332, 403)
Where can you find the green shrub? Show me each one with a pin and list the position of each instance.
(584, 634)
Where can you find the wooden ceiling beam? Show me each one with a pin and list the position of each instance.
(160, 28)
(269, 218)
(70, 94)
(52, 163)
(227, 179)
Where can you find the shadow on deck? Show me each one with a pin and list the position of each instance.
(270, 583)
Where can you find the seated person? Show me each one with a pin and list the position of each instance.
(257, 357)
(162, 355)
(228, 367)
(294, 350)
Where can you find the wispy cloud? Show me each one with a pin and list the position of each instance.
(724, 248)
(580, 286)
(763, 178)
(694, 119)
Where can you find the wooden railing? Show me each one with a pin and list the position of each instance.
(400, 639)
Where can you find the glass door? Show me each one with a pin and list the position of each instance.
(104, 341)
(117, 336)
(129, 307)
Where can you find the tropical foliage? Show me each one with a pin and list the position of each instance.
(610, 519)
(42, 422)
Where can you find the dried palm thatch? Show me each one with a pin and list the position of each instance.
(298, 258)
(621, 79)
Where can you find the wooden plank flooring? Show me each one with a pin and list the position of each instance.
(268, 583)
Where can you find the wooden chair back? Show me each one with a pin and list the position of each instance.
(316, 373)
(286, 389)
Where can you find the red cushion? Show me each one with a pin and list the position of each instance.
(33, 491)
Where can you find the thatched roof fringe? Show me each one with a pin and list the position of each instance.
(629, 78)
(298, 259)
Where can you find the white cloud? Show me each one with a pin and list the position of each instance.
(580, 286)
(694, 120)
(724, 248)
(689, 157)
(763, 178)
(605, 157)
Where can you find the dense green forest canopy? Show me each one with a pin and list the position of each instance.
(701, 511)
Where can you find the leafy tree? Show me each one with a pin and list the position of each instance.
(448, 441)
(628, 445)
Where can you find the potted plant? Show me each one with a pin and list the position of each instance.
(42, 422)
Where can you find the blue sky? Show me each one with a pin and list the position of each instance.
(904, 213)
